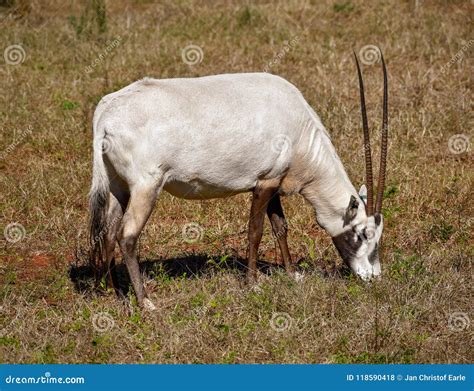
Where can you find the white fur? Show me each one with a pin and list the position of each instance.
(207, 137)
(217, 136)
(360, 264)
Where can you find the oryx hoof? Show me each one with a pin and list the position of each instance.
(298, 276)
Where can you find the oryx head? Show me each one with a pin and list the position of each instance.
(359, 243)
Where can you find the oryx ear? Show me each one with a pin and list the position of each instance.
(351, 211)
(363, 193)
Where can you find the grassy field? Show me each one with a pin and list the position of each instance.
(69, 55)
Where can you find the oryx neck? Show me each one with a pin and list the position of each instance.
(330, 191)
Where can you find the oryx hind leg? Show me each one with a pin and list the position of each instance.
(140, 206)
(118, 200)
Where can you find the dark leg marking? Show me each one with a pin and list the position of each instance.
(260, 198)
(280, 229)
(114, 217)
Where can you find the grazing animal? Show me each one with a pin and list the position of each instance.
(217, 136)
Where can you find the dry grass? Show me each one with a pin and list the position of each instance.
(421, 310)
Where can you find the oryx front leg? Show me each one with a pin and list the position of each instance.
(138, 211)
(280, 228)
(260, 199)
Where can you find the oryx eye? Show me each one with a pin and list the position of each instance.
(359, 236)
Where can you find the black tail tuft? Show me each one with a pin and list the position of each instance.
(97, 229)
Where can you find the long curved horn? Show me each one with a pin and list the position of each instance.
(383, 153)
(368, 153)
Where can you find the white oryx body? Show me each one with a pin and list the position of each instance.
(217, 136)
(206, 137)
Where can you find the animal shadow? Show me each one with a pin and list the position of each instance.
(188, 266)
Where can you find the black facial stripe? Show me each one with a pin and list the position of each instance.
(377, 218)
(347, 245)
(350, 212)
(346, 219)
(373, 254)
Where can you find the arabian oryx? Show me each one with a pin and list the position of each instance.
(216, 136)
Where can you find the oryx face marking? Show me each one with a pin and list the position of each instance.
(358, 246)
